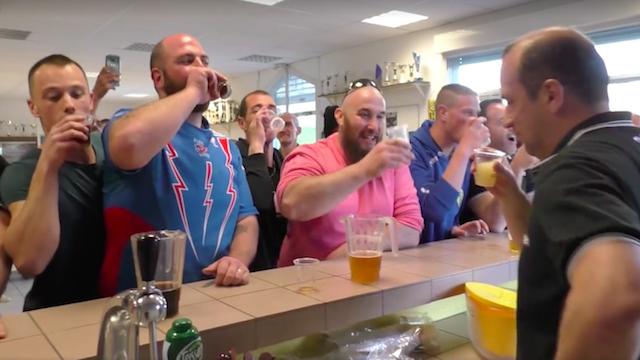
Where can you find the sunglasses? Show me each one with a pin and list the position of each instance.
(360, 83)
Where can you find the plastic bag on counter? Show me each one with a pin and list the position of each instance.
(389, 337)
(386, 345)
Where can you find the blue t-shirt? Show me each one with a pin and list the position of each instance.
(195, 184)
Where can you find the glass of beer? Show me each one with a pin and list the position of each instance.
(364, 236)
(485, 159)
(168, 274)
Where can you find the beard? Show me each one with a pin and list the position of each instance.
(351, 143)
(171, 87)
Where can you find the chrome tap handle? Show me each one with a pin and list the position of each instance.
(118, 335)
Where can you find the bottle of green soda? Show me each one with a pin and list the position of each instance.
(182, 342)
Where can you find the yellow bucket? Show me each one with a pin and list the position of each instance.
(491, 313)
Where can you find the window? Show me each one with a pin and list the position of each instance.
(478, 72)
(300, 101)
(620, 50)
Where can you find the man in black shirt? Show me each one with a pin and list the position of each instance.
(579, 276)
(54, 194)
(262, 164)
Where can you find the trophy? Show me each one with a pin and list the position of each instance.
(416, 61)
(394, 67)
(387, 67)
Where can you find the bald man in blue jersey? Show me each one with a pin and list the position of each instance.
(165, 169)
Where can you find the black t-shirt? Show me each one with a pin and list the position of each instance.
(72, 274)
(588, 189)
(263, 182)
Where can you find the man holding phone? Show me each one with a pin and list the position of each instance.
(165, 169)
(54, 194)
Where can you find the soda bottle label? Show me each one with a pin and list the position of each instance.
(192, 351)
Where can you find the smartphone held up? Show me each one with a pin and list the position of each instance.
(112, 62)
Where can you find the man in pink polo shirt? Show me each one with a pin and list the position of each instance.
(352, 171)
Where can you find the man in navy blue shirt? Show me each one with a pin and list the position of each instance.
(441, 168)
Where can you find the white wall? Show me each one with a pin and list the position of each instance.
(481, 33)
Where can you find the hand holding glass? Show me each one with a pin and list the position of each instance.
(485, 159)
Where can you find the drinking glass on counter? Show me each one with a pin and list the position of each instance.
(168, 274)
(364, 236)
(306, 273)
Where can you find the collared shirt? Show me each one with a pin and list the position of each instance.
(390, 194)
(587, 190)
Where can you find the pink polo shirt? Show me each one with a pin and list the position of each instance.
(390, 194)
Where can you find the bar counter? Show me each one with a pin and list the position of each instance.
(270, 309)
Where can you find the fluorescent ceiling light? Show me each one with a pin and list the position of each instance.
(395, 18)
(264, 2)
(136, 95)
(91, 74)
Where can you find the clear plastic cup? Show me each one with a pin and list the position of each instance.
(485, 159)
(400, 132)
(277, 124)
(306, 273)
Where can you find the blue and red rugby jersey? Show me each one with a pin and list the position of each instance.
(195, 184)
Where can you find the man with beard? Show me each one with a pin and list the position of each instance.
(165, 169)
(441, 168)
(351, 172)
(262, 164)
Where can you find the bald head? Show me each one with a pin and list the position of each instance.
(158, 54)
(565, 55)
(361, 119)
(357, 97)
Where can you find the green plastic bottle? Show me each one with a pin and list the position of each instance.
(182, 342)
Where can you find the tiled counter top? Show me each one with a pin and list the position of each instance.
(269, 309)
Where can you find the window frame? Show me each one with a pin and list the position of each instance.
(454, 61)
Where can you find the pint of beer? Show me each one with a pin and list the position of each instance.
(364, 236)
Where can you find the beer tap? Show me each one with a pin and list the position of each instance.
(131, 309)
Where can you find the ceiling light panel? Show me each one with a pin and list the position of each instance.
(395, 18)
(264, 2)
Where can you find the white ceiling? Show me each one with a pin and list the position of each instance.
(86, 30)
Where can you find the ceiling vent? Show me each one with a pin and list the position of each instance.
(13, 34)
(264, 59)
(144, 47)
